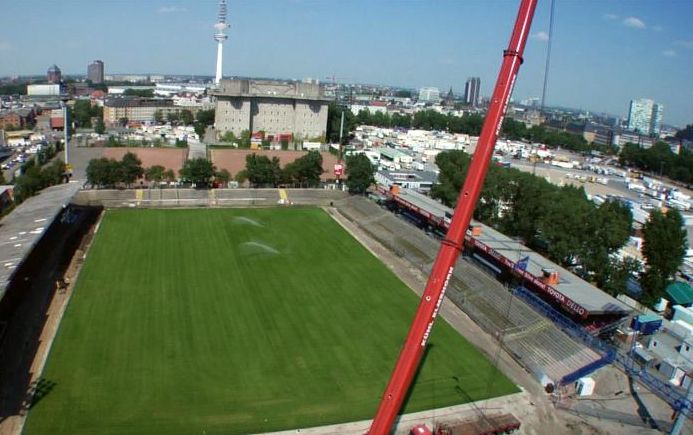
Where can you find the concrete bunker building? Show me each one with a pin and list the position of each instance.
(278, 108)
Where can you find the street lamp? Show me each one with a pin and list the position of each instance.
(63, 104)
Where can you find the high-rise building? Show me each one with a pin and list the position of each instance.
(472, 91)
(95, 72)
(656, 124)
(54, 75)
(429, 95)
(220, 37)
(645, 116)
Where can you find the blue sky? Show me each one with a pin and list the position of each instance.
(604, 52)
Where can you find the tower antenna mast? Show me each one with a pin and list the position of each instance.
(220, 36)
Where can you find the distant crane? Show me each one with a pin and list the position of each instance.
(334, 79)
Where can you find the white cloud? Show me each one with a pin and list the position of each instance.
(5, 46)
(669, 53)
(171, 9)
(610, 17)
(685, 44)
(634, 23)
(540, 36)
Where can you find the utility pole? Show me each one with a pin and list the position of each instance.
(65, 134)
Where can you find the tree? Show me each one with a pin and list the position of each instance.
(244, 139)
(158, 116)
(223, 177)
(619, 272)
(334, 120)
(359, 171)
(173, 117)
(53, 174)
(186, 117)
(664, 246)
(228, 137)
(81, 113)
(27, 184)
(100, 127)
(142, 93)
(203, 119)
(453, 167)
(609, 227)
(103, 172)
(154, 173)
(304, 171)
(198, 171)
(169, 175)
(241, 176)
(131, 168)
(261, 171)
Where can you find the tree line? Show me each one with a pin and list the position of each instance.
(562, 224)
(470, 124)
(260, 171)
(36, 174)
(659, 159)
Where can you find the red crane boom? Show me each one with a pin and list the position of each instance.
(451, 246)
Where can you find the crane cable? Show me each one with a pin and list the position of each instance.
(548, 56)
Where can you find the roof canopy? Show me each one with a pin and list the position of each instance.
(680, 293)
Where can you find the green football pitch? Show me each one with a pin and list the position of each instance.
(237, 321)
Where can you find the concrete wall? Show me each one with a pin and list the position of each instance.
(242, 198)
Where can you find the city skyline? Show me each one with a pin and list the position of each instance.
(604, 54)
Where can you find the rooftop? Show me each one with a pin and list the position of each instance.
(137, 102)
(594, 300)
(270, 89)
(23, 227)
(680, 293)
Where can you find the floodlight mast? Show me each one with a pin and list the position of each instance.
(450, 248)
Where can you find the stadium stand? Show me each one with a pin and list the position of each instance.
(534, 341)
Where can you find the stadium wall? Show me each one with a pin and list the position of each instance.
(206, 198)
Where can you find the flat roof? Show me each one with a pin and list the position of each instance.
(588, 296)
(23, 227)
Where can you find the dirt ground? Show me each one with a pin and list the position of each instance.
(534, 407)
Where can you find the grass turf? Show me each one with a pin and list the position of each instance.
(237, 321)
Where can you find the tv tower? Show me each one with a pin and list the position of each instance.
(220, 36)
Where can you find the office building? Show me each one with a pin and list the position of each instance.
(645, 116)
(135, 110)
(471, 91)
(275, 107)
(54, 75)
(95, 72)
(429, 95)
